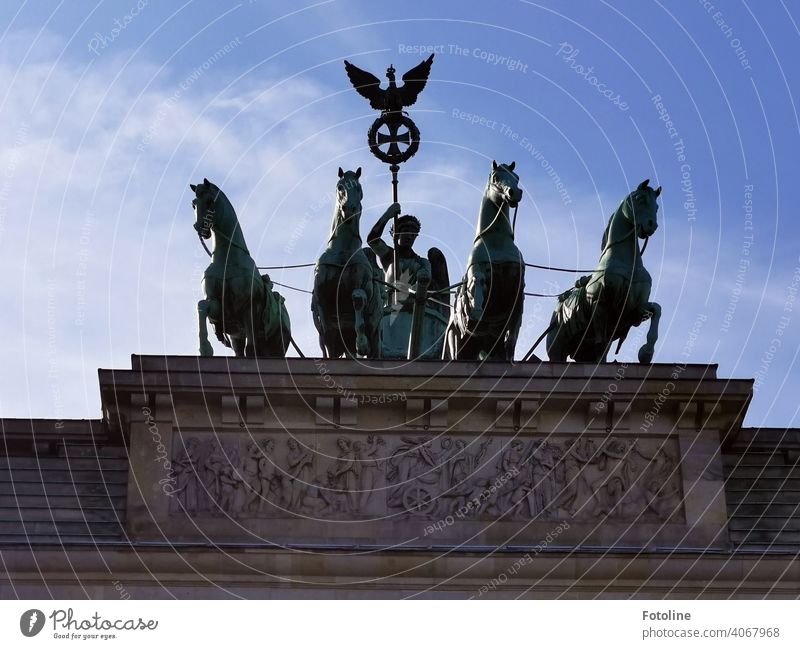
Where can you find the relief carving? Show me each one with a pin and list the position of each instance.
(587, 478)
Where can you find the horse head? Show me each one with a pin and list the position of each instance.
(205, 207)
(504, 184)
(640, 209)
(348, 194)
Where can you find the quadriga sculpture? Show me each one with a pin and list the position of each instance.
(245, 312)
(602, 307)
(488, 306)
(346, 303)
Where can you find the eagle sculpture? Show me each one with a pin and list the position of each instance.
(392, 99)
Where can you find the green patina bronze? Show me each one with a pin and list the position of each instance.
(347, 298)
(602, 307)
(245, 312)
(414, 277)
(488, 307)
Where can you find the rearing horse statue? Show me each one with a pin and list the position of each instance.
(246, 313)
(346, 303)
(602, 307)
(487, 314)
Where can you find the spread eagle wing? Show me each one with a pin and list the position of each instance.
(440, 278)
(367, 85)
(414, 81)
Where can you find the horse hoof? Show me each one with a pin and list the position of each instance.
(646, 354)
(206, 349)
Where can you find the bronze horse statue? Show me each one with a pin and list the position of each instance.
(346, 303)
(603, 306)
(245, 312)
(487, 314)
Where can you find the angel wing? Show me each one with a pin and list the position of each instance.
(414, 81)
(367, 85)
(440, 277)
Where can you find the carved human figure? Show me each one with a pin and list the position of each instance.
(445, 461)
(657, 490)
(465, 466)
(618, 472)
(214, 465)
(299, 473)
(186, 466)
(575, 456)
(323, 497)
(370, 470)
(514, 472)
(229, 483)
(347, 472)
(268, 474)
(542, 474)
(252, 482)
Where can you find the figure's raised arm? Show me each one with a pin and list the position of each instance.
(374, 240)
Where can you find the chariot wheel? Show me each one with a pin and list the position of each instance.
(418, 500)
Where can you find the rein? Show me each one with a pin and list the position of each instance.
(224, 236)
(220, 234)
(504, 201)
(514, 221)
(340, 222)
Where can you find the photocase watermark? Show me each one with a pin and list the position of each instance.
(326, 199)
(10, 171)
(476, 119)
(679, 148)
(121, 590)
(694, 333)
(65, 620)
(188, 81)
(661, 398)
(169, 483)
(526, 145)
(507, 131)
(599, 407)
(783, 323)
(52, 353)
(744, 260)
(102, 41)
(512, 64)
(536, 317)
(524, 560)
(349, 395)
(474, 504)
(81, 271)
(569, 54)
(727, 31)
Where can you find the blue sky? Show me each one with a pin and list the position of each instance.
(110, 110)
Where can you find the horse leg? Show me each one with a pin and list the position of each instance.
(359, 303)
(515, 322)
(556, 345)
(202, 313)
(375, 314)
(238, 344)
(449, 346)
(450, 342)
(647, 350)
(470, 345)
(249, 336)
(475, 294)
